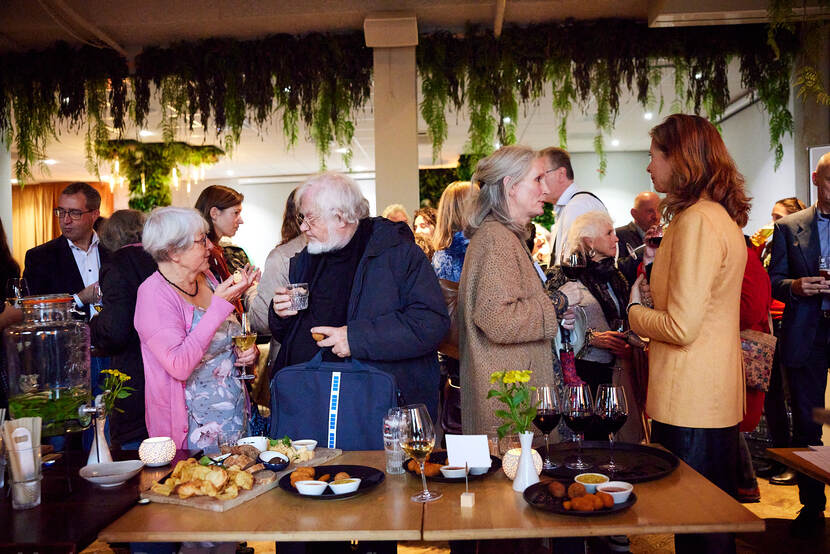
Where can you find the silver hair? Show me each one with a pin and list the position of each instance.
(392, 208)
(334, 194)
(588, 225)
(170, 229)
(508, 161)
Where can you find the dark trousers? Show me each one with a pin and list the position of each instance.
(714, 454)
(807, 384)
(775, 401)
(595, 374)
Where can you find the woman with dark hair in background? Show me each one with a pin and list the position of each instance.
(696, 382)
(222, 208)
(9, 269)
(112, 330)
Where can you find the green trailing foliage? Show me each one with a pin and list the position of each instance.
(589, 64)
(324, 80)
(155, 160)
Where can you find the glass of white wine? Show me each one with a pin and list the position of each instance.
(245, 340)
(417, 436)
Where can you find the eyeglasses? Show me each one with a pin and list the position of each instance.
(542, 176)
(307, 219)
(202, 241)
(75, 215)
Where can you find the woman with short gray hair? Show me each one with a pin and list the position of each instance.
(185, 321)
(506, 320)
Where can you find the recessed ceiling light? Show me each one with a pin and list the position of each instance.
(647, 116)
(506, 119)
(615, 142)
(14, 181)
(229, 173)
(50, 161)
(146, 133)
(343, 150)
(698, 75)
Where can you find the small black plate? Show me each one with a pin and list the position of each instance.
(369, 479)
(537, 495)
(441, 458)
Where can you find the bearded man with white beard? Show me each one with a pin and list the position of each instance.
(373, 295)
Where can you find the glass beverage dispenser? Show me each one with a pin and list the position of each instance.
(48, 364)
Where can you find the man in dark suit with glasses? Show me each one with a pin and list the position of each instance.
(71, 262)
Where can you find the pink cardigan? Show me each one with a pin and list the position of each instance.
(162, 319)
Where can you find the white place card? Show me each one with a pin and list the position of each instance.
(470, 449)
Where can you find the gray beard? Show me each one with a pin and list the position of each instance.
(337, 243)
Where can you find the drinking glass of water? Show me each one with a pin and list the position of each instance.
(299, 295)
(391, 441)
(16, 289)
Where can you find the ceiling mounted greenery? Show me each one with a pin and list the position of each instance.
(148, 166)
(324, 80)
(589, 64)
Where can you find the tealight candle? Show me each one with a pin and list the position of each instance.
(510, 462)
(157, 451)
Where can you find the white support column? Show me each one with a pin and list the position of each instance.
(6, 192)
(395, 110)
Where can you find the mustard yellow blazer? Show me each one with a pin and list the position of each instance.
(695, 362)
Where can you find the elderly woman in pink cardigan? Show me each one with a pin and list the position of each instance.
(186, 321)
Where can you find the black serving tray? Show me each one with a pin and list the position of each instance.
(640, 463)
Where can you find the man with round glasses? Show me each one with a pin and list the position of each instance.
(70, 263)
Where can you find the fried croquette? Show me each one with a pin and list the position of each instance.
(576, 490)
(607, 499)
(556, 489)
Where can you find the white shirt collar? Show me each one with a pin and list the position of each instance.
(567, 194)
(93, 242)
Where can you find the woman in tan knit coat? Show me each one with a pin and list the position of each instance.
(506, 320)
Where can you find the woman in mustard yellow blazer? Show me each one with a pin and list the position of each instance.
(696, 382)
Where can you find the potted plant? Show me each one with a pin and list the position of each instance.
(513, 389)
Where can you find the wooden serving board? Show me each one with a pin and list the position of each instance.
(321, 456)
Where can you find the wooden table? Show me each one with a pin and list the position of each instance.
(788, 457)
(385, 513)
(683, 502)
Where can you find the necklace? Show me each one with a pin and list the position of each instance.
(181, 289)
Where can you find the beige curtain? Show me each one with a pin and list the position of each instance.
(33, 222)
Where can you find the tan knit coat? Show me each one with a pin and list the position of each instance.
(506, 321)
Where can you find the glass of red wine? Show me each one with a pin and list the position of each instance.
(610, 415)
(547, 417)
(573, 264)
(578, 413)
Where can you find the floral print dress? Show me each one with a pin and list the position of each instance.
(216, 401)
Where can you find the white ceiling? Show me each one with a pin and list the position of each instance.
(133, 24)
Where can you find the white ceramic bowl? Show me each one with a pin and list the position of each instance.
(619, 496)
(591, 488)
(343, 488)
(260, 443)
(274, 461)
(452, 472)
(304, 444)
(311, 488)
(480, 470)
(111, 474)
(157, 451)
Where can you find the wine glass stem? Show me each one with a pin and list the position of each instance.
(611, 443)
(579, 455)
(547, 448)
(424, 477)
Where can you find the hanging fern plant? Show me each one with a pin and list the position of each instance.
(148, 166)
(589, 64)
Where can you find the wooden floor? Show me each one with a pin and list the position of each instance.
(779, 506)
